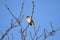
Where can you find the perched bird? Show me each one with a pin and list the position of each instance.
(30, 21)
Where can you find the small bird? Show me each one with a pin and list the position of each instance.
(30, 21)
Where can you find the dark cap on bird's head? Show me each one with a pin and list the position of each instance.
(27, 16)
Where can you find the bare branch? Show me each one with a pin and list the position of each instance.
(25, 35)
(51, 25)
(39, 36)
(12, 14)
(21, 10)
(57, 29)
(35, 32)
(12, 36)
(12, 26)
(1, 32)
(51, 33)
(25, 28)
(32, 8)
(17, 19)
(31, 35)
(38, 29)
(8, 37)
(44, 35)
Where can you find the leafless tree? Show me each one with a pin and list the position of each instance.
(23, 32)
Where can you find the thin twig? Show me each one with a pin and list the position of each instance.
(8, 37)
(35, 33)
(39, 36)
(51, 25)
(21, 10)
(38, 29)
(31, 35)
(26, 28)
(44, 35)
(32, 8)
(7, 31)
(1, 32)
(17, 19)
(12, 14)
(12, 36)
(25, 34)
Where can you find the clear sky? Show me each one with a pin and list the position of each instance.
(44, 12)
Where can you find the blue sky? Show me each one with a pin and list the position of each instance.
(44, 12)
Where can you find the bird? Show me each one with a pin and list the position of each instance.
(30, 20)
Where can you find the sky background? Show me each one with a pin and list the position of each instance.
(44, 12)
